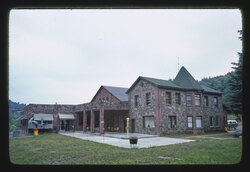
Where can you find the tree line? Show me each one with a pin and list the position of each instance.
(230, 84)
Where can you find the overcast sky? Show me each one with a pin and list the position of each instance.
(64, 56)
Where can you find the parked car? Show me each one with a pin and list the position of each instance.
(232, 124)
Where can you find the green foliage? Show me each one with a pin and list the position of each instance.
(220, 83)
(14, 114)
(14, 123)
(235, 84)
(235, 87)
(230, 84)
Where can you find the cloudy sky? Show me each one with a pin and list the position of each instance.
(65, 55)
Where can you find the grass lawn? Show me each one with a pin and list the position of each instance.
(54, 148)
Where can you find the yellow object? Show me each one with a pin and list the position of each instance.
(226, 129)
(35, 132)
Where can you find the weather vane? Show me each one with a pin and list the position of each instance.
(178, 64)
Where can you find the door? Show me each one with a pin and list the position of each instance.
(132, 125)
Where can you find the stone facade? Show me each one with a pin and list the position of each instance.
(161, 111)
(153, 106)
(104, 113)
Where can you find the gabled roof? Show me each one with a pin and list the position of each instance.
(118, 92)
(185, 80)
(210, 90)
(160, 83)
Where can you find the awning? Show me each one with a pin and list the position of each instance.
(44, 117)
(66, 116)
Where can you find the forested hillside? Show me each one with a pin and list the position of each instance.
(14, 114)
(219, 83)
(15, 106)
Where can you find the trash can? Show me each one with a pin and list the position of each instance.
(35, 131)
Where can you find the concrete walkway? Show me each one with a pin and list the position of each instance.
(121, 139)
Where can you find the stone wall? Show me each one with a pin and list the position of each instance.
(161, 111)
(142, 110)
(105, 98)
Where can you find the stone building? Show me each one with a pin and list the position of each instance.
(159, 106)
(153, 106)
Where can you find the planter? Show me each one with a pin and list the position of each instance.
(133, 140)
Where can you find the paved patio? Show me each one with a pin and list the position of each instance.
(121, 139)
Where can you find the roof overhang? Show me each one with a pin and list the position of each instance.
(44, 117)
(66, 116)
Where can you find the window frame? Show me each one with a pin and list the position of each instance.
(148, 99)
(216, 102)
(136, 102)
(148, 118)
(200, 119)
(211, 123)
(188, 102)
(197, 99)
(168, 101)
(178, 98)
(172, 123)
(206, 101)
(188, 122)
(216, 121)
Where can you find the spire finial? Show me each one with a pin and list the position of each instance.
(178, 64)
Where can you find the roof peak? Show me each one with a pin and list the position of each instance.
(185, 80)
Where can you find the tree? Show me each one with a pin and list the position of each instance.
(235, 84)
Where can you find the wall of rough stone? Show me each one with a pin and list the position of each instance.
(161, 110)
(211, 110)
(105, 97)
(158, 108)
(137, 113)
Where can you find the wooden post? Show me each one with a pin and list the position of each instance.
(84, 121)
(92, 121)
(101, 121)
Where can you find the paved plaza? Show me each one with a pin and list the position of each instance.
(121, 139)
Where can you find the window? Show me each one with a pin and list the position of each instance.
(190, 122)
(198, 121)
(178, 98)
(136, 100)
(148, 122)
(197, 99)
(216, 102)
(148, 99)
(168, 97)
(211, 121)
(189, 100)
(206, 100)
(216, 121)
(172, 121)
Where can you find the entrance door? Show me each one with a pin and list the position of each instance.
(62, 125)
(124, 125)
(133, 125)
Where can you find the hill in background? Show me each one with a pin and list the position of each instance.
(13, 106)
